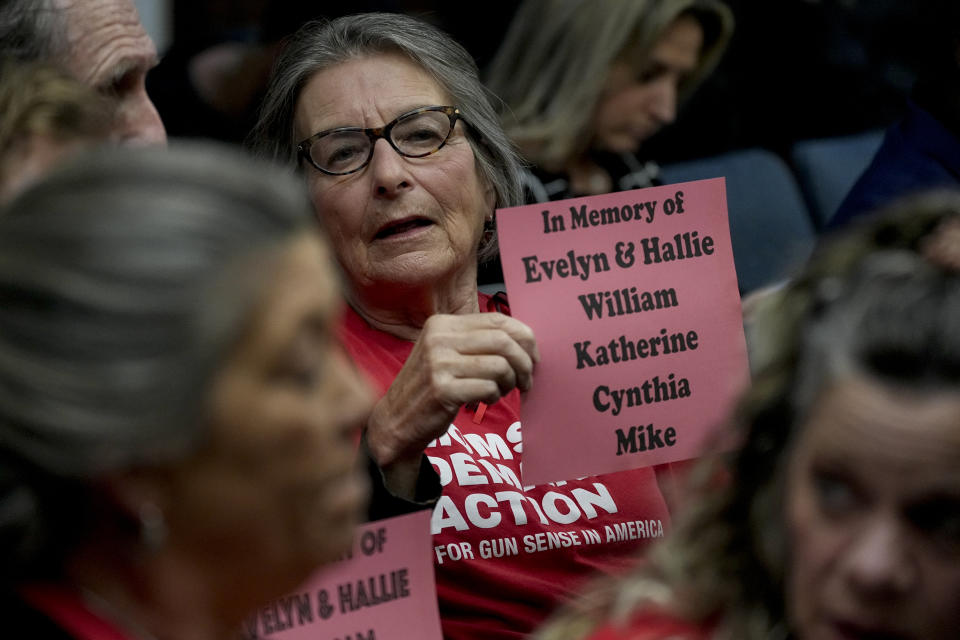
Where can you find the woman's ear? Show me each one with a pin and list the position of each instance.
(489, 196)
(140, 497)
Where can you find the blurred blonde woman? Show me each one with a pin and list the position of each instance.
(178, 421)
(585, 82)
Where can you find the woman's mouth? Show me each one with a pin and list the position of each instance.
(401, 227)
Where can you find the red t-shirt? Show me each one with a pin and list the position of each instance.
(506, 555)
(66, 609)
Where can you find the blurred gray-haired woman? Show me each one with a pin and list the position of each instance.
(178, 424)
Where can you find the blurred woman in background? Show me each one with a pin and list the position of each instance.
(585, 83)
(841, 517)
(178, 423)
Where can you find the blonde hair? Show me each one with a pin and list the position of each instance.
(37, 99)
(551, 67)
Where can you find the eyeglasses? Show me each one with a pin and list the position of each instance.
(414, 134)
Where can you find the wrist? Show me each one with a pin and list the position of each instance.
(385, 442)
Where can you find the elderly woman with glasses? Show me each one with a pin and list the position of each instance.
(405, 162)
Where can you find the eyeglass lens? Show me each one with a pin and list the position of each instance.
(416, 135)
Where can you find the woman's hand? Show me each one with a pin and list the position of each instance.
(458, 359)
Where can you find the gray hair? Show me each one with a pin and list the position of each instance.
(30, 30)
(124, 280)
(555, 57)
(321, 45)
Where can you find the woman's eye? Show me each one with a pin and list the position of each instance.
(301, 370)
(939, 520)
(423, 134)
(296, 376)
(419, 137)
(645, 76)
(306, 377)
(835, 494)
(342, 155)
(649, 74)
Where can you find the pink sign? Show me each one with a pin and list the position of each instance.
(385, 590)
(633, 298)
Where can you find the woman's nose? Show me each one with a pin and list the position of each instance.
(389, 171)
(664, 103)
(880, 564)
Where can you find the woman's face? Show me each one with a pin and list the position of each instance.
(873, 516)
(398, 220)
(277, 490)
(638, 99)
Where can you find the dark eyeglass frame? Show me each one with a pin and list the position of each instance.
(374, 134)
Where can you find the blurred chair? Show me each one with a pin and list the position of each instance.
(770, 226)
(826, 169)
